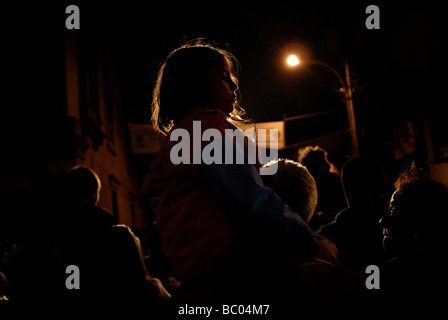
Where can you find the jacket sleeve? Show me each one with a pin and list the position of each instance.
(241, 188)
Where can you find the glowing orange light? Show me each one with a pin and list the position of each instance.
(293, 60)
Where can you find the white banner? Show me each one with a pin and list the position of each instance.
(263, 133)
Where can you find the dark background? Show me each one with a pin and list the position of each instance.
(400, 67)
(403, 63)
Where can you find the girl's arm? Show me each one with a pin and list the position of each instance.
(241, 188)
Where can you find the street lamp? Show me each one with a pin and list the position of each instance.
(293, 61)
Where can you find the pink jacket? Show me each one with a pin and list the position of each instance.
(205, 212)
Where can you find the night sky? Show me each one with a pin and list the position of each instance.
(388, 64)
(397, 67)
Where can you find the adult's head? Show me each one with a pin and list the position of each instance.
(315, 159)
(416, 218)
(294, 185)
(82, 184)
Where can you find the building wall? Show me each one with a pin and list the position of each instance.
(95, 104)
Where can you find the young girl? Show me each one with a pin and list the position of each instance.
(212, 217)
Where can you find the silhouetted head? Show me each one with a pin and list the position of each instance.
(116, 268)
(196, 75)
(82, 185)
(123, 249)
(363, 180)
(315, 159)
(416, 220)
(294, 185)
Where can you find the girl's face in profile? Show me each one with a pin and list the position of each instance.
(221, 90)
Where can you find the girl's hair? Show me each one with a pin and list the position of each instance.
(180, 79)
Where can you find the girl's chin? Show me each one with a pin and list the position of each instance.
(229, 109)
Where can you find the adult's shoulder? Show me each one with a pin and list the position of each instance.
(104, 216)
(91, 214)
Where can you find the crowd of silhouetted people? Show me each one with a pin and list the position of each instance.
(402, 235)
(108, 256)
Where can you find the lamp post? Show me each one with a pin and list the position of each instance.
(293, 61)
